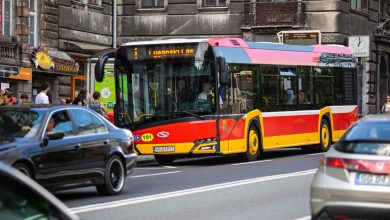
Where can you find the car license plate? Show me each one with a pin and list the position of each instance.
(163, 149)
(372, 179)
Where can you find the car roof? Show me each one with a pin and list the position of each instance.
(42, 107)
(379, 118)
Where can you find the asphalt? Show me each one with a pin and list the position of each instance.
(143, 159)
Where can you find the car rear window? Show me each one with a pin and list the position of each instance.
(19, 123)
(369, 138)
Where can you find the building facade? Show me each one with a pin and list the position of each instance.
(337, 20)
(51, 41)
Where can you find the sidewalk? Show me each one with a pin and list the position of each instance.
(143, 159)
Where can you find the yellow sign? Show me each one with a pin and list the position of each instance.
(43, 60)
(147, 137)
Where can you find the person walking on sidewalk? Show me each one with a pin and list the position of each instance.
(42, 97)
(97, 106)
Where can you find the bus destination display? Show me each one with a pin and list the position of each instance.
(159, 52)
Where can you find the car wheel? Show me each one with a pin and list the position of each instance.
(164, 159)
(325, 136)
(253, 145)
(23, 168)
(114, 177)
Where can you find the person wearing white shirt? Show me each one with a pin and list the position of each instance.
(42, 97)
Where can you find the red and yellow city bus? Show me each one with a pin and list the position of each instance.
(224, 96)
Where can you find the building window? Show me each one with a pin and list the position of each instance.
(214, 3)
(32, 20)
(6, 17)
(153, 3)
(383, 8)
(360, 5)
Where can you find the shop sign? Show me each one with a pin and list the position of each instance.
(14, 72)
(54, 61)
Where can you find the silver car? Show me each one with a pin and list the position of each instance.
(353, 180)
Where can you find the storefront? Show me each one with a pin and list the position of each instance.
(58, 69)
(18, 79)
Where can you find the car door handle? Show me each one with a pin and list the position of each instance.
(77, 146)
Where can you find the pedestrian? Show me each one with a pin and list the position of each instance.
(63, 101)
(42, 97)
(7, 99)
(1, 96)
(23, 99)
(97, 106)
(386, 105)
(14, 100)
(81, 98)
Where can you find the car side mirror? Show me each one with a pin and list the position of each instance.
(56, 135)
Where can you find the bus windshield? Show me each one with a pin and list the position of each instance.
(170, 86)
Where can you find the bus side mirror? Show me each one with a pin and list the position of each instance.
(223, 71)
(103, 56)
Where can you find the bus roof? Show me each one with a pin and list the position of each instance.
(166, 41)
(236, 50)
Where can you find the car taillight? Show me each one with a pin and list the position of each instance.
(332, 162)
(369, 166)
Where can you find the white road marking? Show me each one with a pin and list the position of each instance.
(119, 203)
(155, 168)
(170, 167)
(316, 154)
(304, 218)
(259, 161)
(155, 174)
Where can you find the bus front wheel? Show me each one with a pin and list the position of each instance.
(164, 159)
(253, 144)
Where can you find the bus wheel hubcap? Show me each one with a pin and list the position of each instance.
(325, 136)
(253, 142)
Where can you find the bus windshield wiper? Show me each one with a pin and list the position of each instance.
(191, 113)
(183, 112)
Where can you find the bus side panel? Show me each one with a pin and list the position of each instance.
(232, 133)
(237, 136)
(294, 128)
(343, 117)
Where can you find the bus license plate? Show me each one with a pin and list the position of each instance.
(163, 149)
(373, 180)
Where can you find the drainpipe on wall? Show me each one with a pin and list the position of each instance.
(114, 15)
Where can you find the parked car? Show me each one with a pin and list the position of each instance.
(353, 180)
(66, 146)
(22, 198)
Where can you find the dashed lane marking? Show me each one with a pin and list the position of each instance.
(259, 161)
(154, 174)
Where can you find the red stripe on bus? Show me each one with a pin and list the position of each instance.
(288, 125)
(341, 121)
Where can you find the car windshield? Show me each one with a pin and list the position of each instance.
(366, 138)
(20, 123)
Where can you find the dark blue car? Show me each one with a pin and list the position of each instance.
(66, 146)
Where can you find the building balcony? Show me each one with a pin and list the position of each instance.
(10, 51)
(270, 15)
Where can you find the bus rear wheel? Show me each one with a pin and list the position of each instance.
(164, 159)
(325, 136)
(252, 145)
